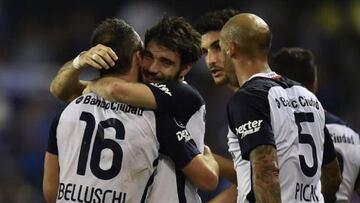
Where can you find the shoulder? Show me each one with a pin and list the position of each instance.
(332, 119)
(254, 89)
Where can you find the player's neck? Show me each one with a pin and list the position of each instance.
(248, 67)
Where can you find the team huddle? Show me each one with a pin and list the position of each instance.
(136, 133)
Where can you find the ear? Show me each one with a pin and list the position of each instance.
(137, 58)
(185, 70)
(232, 49)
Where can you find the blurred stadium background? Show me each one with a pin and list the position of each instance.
(37, 37)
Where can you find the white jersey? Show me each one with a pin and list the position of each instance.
(271, 110)
(242, 167)
(347, 146)
(181, 101)
(108, 151)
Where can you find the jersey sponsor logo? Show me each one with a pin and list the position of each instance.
(184, 134)
(248, 128)
(162, 87)
(306, 192)
(81, 193)
(296, 102)
(114, 106)
(342, 139)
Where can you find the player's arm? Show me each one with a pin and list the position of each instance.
(51, 177)
(176, 142)
(330, 170)
(265, 174)
(171, 97)
(203, 171)
(51, 165)
(330, 180)
(229, 195)
(66, 85)
(133, 93)
(226, 167)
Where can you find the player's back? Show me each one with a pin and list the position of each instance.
(298, 123)
(347, 146)
(106, 150)
(285, 114)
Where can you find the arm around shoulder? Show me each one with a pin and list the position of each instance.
(119, 90)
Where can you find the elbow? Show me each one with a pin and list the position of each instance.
(54, 92)
(58, 93)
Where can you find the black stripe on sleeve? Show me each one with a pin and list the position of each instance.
(52, 142)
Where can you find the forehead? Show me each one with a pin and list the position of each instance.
(209, 38)
(158, 51)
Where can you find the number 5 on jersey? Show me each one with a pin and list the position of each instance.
(306, 139)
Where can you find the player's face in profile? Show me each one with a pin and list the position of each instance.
(214, 59)
(160, 63)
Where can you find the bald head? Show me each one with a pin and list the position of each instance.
(249, 32)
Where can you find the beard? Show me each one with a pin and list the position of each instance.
(156, 78)
(229, 68)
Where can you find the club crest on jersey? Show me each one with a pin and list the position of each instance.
(248, 128)
(162, 87)
(184, 134)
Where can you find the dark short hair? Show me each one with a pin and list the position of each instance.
(214, 20)
(296, 64)
(176, 34)
(122, 38)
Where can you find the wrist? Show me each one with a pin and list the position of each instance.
(76, 62)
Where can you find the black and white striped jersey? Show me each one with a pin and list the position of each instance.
(347, 146)
(109, 151)
(272, 110)
(180, 100)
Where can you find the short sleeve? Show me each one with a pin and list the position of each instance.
(176, 98)
(175, 141)
(249, 119)
(329, 149)
(52, 142)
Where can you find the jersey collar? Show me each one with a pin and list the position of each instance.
(271, 75)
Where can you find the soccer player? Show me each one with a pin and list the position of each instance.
(209, 26)
(171, 47)
(105, 151)
(275, 124)
(298, 64)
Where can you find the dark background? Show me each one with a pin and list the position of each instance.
(37, 37)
